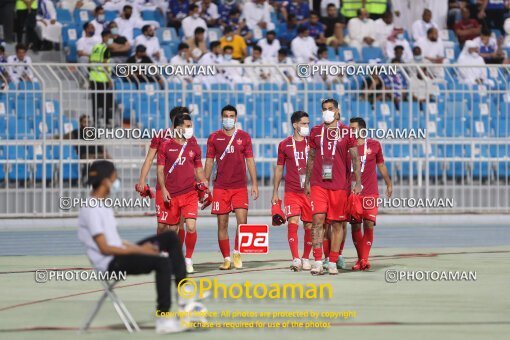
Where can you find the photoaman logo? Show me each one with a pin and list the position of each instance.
(253, 238)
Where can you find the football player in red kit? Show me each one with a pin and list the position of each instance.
(371, 154)
(328, 181)
(149, 159)
(292, 155)
(232, 149)
(179, 163)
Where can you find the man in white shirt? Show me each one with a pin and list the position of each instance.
(270, 46)
(433, 50)
(214, 57)
(421, 26)
(303, 46)
(192, 21)
(396, 38)
(257, 14)
(108, 253)
(85, 44)
(151, 42)
(71, 5)
(384, 27)
(234, 75)
(48, 28)
(182, 58)
(98, 21)
(362, 31)
(285, 63)
(257, 74)
(128, 21)
(209, 11)
(22, 72)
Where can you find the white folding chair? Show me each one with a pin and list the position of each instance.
(121, 309)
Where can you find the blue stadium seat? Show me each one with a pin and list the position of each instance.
(64, 16)
(18, 169)
(154, 15)
(213, 34)
(332, 54)
(166, 35)
(69, 166)
(372, 53)
(348, 54)
(38, 175)
(3, 154)
(136, 32)
(81, 16)
(110, 15)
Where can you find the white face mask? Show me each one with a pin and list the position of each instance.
(328, 116)
(195, 16)
(228, 123)
(188, 133)
(474, 54)
(304, 131)
(115, 186)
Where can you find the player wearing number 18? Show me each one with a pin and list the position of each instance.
(179, 163)
(292, 155)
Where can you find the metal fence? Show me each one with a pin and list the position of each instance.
(465, 155)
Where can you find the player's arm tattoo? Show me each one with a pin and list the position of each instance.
(309, 165)
(356, 166)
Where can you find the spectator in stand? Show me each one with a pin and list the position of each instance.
(197, 44)
(26, 11)
(48, 28)
(376, 8)
(270, 46)
(209, 12)
(325, 5)
(257, 74)
(334, 24)
(192, 21)
(233, 75)
(289, 71)
(177, 11)
(328, 79)
(350, 8)
(467, 28)
(299, 8)
(290, 30)
(418, 56)
(4, 76)
(72, 5)
(506, 41)
(303, 46)
(488, 47)
(396, 82)
(455, 12)
(120, 47)
(384, 28)
(86, 43)
(398, 55)
(236, 42)
(421, 26)
(140, 57)
(214, 57)
(183, 55)
(225, 8)
(420, 85)
(492, 13)
(362, 31)
(316, 29)
(395, 39)
(433, 50)
(128, 21)
(239, 25)
(257, 14)
(99, 21)
(470, 56)
(150, 41)
(22, 72)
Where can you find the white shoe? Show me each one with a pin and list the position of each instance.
(189, 266)
(317, 268)
(296, 265)
(332, 269)
(169, 325)
(306, 264)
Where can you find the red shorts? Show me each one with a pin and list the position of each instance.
(369, 203)
(225, 201)
(333, 203)
(297, 204)
(185, 205)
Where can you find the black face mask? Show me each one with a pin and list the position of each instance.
(127, 16)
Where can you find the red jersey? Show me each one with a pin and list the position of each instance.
(465, 25)
(294, 162)
(159, 139)
(374, 156)
(181, 179)
(339, 156)
(231, 170)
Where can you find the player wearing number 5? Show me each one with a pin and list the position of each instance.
(371, 154)
(292, 155)
(232, 150)
(328, 181)
(179, 163)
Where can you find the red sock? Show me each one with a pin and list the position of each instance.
(292, 237)
(333, 256)
(368, 238)
(236, 245)
(308, 243)
(190, 241)
(224, 247)
(342, 245)
(317, 254)
(325, 245)
(182, 235)
(357, 239)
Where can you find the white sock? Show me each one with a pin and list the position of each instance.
(227, 258)
(188, 261)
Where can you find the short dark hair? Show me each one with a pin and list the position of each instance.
(430, 30)
(98, 171)
(227, 47)
(283, 51)
(105, 32)
(296, 116)
(361, 122)
(302, 29)
(314, 13)
(127, 7)
(2, 48)
(140, 49)
(98, 8)
(182, 46)
(228, 108)
(177, 111)
(192, 7)
(330, 100)
(485, 31)
(330, 5)
(145, 28)
(271, 32)
(179, 120)
(398, 47)
(21, 46)
(257, 48)
(199, 30)
(321, 50)
(85, 25)
(214, 44)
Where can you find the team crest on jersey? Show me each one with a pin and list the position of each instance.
(191, 154)
(239, 141)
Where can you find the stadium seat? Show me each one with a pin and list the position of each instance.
(38, 153)
(2, 165)
(69, 162)
(332, 56)
(154, 15)
(214, 34)
(166, 35)
(348, 54)
(81, 16)
(110, 15)
(18, 168)
(64, 16)
(372, 53)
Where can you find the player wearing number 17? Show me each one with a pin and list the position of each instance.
(292, 155)
(232, 150)
(179, 163)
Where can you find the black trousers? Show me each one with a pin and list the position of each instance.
(163, 266)
(495, 19)
(25, 20)
(102, 103)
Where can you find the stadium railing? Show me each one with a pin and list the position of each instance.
(464, 155)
